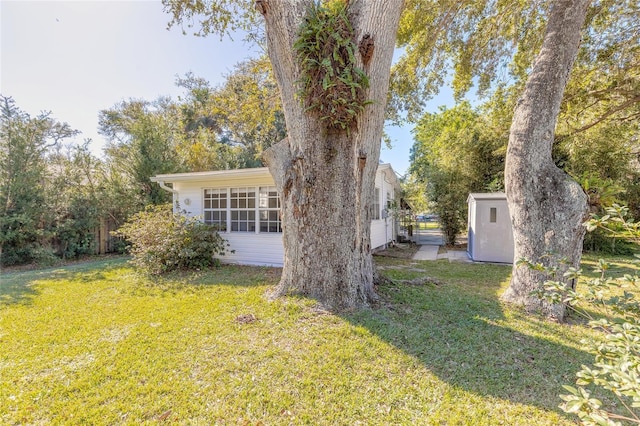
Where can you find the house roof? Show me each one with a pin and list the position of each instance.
(200, 176)
(258, 172)
(486, 196)
(389, 174)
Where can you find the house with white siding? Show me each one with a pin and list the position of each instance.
(245, 206)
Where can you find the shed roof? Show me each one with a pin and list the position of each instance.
(486, 196)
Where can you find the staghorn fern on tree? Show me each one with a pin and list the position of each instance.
(330, 84)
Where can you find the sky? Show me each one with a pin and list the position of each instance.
(76, 58)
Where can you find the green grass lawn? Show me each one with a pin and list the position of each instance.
(428, 225)
(96, 344)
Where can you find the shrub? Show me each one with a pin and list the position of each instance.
(451, 218)
(611, 306)
(44, 256)
(606, 242)
(163, 241)
(73, 231)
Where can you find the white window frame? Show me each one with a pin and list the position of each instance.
(269, 221)
(244, 206)
(216, 205)
(375, 206)
(259, 213)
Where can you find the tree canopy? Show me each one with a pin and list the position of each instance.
(54, 193)
(454, 154)
(206, 128)
(25, 145)
(492, 44)
(480, 43)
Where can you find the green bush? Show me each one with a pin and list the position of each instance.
(163, 241)
(611, 306)
(73, 230)
(601, 241)
(44, 256)
(451, 218)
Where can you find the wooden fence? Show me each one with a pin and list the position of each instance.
(104, 242)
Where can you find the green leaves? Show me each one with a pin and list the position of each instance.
(453, 155)
(229, 126)
(163, 241)
(219, 17)
(25, 144)
(614, 312)
(330, 84)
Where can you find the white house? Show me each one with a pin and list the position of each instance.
(489, 228)
(245, 206)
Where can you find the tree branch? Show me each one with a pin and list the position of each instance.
(279, 160)
(608, 114)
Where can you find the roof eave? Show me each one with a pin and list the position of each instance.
(203, 176)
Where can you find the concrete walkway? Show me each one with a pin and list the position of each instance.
(429, 237)
(425, 252)
(456, 256)
(430, 241)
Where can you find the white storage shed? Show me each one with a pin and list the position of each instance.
(490, 238)
(245, 206)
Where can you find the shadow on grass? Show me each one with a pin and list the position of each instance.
(21, 286)
(460, 331)
(14, 289)
(231, 275)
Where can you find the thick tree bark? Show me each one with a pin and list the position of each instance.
(547, 207)
(326, 179)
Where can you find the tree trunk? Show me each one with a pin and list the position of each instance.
(547, 207)
(326, 179)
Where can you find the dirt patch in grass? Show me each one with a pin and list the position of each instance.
(398, 251)
(456, 246)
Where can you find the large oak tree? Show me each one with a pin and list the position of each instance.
(547, 207)
(326, 176)
(532, 44)
(325, 168)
